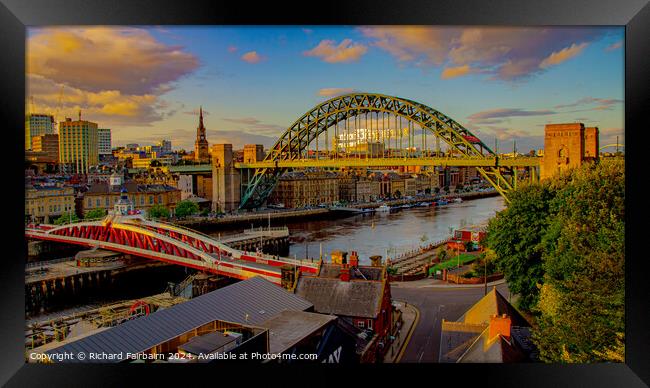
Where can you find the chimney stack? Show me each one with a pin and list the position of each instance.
(354, 259)
(500, 325)
(345, 273)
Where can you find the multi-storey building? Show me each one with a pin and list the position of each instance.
(299, 189)
(367, 189)
(105, 196)
(46, 146)
(78, 145)
(104, 141)
(348, 188)
(37, 125)
(43, 203)
(165, 147)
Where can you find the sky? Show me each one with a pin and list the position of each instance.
(146, 83)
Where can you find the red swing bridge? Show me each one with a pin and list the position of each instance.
(135, 235)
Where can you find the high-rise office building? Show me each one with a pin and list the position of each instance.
(165, 147)
(78, 145)
(37, 125)
(104, 141)
(47, 145)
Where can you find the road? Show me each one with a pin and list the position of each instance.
(435, 304)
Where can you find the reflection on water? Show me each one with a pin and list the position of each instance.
(395, 232)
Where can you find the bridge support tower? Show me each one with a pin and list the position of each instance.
(225, 179)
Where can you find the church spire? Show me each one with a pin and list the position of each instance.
(201, 116)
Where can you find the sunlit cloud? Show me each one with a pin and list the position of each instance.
(504, 53)
(563, 55)
(232, 49)
(494, 116)
(130, 60)
(331, 92)
(598, 103)
(252, 57)
(453, 72)
(614, 46)
(115, 76)
(346, 51)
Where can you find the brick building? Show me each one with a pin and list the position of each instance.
(358, 295)
(567, 146)
(143, 196)
(299, 189)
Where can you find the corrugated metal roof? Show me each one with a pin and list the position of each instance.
(251, 301)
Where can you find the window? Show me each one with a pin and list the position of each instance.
(151, 200)
(360, 324)
(369, 323)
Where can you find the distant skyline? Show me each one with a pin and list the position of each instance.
(147, 83)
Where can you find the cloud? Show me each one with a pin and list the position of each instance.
(115, 75)
(453, 72)
(232, 49)
(346, 51)
(307, 31)
(252, 57)
(600, 103)
(107, 58)
(505, 53)
(251, 124)
(494, 116)
(563, 55)
(108, 107)
(331, 92)
(614, 46)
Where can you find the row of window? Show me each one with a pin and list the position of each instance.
(107, 201)
(51, 208)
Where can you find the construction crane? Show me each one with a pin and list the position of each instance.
(58, 107)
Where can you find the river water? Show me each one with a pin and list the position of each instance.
(396, 232)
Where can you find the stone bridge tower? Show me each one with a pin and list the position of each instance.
(567, 146)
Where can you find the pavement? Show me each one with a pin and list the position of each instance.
(410, 318)
(434, 303)
(436, 283)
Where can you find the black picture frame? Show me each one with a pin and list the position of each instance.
(15, 15)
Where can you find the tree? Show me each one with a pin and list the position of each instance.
(66, 218)
(95, 213)
(442, 255)
(437, 190)
(186, 208)
(515, 235)
(427, 191)
(158, 211)
(582, 301)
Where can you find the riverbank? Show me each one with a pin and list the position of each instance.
(261, 218)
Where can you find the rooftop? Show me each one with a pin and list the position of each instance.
(354, 298)
(248, 302)
(288, 328)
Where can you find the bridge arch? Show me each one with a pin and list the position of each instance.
(297, 138)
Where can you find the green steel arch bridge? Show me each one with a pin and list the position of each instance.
(376, 130)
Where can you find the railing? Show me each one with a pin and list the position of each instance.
(49, 262)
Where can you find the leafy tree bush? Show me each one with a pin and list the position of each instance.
(581, 306)
(95, 213)
(186, 208)
(561, 247)
(66, 218)
(158, 211)
(515, 235)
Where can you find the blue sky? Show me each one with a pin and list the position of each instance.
(146, 83)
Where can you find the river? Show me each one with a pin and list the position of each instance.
(396, 232)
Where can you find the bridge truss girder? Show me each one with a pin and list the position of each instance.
(303, 131)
